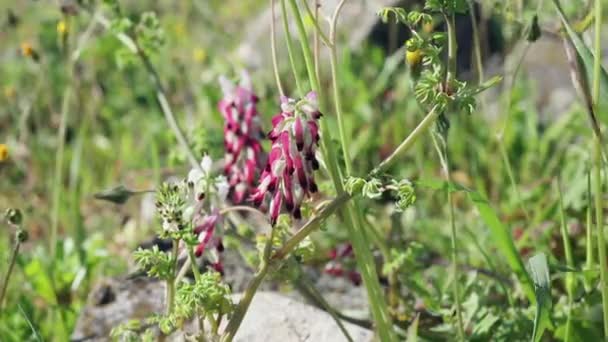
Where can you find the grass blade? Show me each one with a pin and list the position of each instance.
(501, 236)
(586, 59)
(542, 290)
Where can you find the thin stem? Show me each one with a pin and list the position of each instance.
(509, 168)
(254, 284)
(456, 284)
(273, 49)
(420, 130)
(161, 96)
(337, 98)
(442, 151)
(317, 47)
(599, 215)
(307, 288)
(241, 208)
(597, 57)
(599, 222)
(289, 42)
(9, 272)
(570, 280)
(337, 202)
(65, 107)
(452, 48)
(318, 29)
(308, 60)
(195, 270)
(589, 262)
(170, 291)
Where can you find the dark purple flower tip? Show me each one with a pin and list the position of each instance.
(355, 277)
(220, 246)
(297, 213)
(315, 163)
(312, 187)
(218, 267)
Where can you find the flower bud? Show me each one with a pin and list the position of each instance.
(13, 216)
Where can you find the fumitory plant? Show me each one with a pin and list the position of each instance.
(193, 211)
(307, 177)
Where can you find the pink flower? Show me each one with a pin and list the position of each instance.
(340, 256)
(206, 232)
(288, 176)
(244, 156)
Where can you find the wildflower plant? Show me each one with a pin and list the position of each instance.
(288, 177)
(194, 212)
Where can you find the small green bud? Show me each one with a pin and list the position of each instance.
(13, 216)
(406, 194)
(372, 189)
(354, 185)
(21, 236)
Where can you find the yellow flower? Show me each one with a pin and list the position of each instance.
(413, 58)
(27, 49)
(428, 27)
(3, 152)
(199, 55)
(62, 27)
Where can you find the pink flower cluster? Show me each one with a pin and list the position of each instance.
(243, 153)
(288, 177)
(338, 257)
(207, 237)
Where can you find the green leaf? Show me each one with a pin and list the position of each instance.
(501, 236)
(412, 331)
(117, 195)
(42, 283)
(503, 240)
(539, 269)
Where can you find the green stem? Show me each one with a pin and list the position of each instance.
(509, 168)
(599, 215)
(352, 218)
(273, 49)
(442, 151)
(456, 284)
(337, 97)
(452, 50)
(589, 245)
(289, 41)
(308, 59)
(420, 130)
(254, 284)
(570, 280)
(339, 201)
(161, 96)
(170, 291)
(11, 265)
(57, 182)
(195, 270)
(599, 221)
